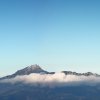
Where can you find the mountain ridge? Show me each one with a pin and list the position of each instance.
(37, 88)
(37, 69)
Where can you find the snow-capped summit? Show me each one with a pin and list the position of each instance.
(33, 67)
(30, 69)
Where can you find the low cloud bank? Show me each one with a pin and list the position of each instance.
(54, 80)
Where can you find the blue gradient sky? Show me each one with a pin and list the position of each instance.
(56, 34)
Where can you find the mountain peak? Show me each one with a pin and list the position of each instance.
(30, 69)
(27, 70)
(33, 67)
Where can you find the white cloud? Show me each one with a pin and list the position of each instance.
(54, 80)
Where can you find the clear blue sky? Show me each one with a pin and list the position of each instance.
(56, 34)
